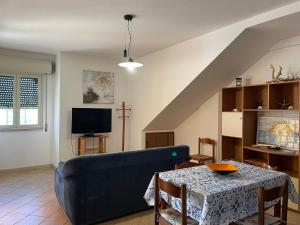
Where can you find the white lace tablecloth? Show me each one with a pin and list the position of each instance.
(215, 199)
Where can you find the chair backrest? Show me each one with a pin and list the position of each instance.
(260, 164)
(270, 195)
(206, 141)
(173, 190)
(187, 164)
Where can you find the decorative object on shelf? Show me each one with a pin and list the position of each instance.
(123, 117)
(238, 81)
(260, 104)
(98, 87)
(284, 104)
(291, 107)
(274, 147)
(130, 63)
(237, 110)
(278, 78)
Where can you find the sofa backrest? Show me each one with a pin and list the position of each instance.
(88, 163)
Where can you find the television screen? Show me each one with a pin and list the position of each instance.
(91, 121)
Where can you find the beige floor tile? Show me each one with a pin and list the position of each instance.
(54, 221)
(31, 220)
(26, 209)
(11, 218)
(47, 211)
(9, 207)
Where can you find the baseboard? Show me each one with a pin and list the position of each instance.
(30, 168)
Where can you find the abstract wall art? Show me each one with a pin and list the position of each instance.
(98, 87)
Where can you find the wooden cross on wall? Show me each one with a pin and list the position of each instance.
(123, 117)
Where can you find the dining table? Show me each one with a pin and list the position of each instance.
(221, 198)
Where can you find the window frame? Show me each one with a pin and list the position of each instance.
(16, 103)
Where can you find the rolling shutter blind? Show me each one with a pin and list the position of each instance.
(28, 65)
(29, 92)
(7, 91)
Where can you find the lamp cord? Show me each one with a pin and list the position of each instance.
(129, 27)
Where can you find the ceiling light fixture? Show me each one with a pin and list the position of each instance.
(130, 63)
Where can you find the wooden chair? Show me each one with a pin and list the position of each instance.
(203, 158)
(260, 164)
(280, 210)
(170, 216)
(187, 164)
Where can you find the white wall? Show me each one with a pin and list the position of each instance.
(29, 147)
(284, 53)
(167, 72)
(205, 121)
(71, 67)
(56, 112)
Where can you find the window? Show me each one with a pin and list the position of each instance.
(20, 101)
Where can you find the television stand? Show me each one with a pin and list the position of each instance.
(84, 148)
(89, 135)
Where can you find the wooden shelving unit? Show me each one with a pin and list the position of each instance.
(232, 98)
(242, 145)
(288, 91)
(253, 94)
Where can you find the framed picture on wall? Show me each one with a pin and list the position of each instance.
(98, 87)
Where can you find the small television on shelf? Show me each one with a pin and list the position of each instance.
(89, 121)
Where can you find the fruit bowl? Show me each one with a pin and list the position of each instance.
(222, 167)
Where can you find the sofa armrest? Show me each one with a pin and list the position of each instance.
(60, 168)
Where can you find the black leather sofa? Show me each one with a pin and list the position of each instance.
(95, 188)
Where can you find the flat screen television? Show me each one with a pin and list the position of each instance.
(91, 120)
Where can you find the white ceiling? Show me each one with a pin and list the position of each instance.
(97, 26)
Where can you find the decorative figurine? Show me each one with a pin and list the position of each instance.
(260, 104)
(284, 105)
(273, 72)
(278, 78)
(279, 73)
(290, 107)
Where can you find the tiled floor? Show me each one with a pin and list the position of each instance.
(27, 198)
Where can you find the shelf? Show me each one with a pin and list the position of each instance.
(84, 148)
(254, 94)
(280, 92)
(269, 110)
(92, 151)
(232, 98)
(232, 148)
(285, 82)
(270, 151)
(233, 88)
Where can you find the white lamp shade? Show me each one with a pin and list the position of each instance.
(130, 64)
